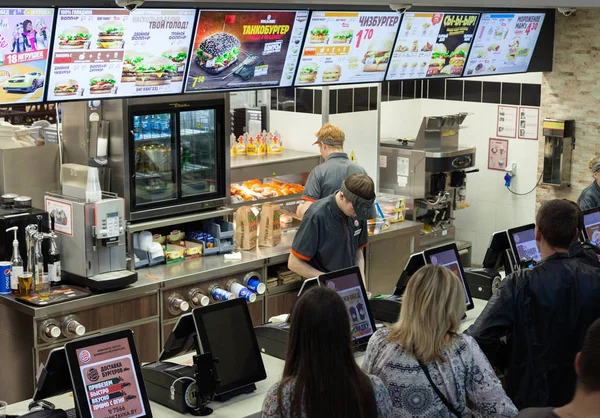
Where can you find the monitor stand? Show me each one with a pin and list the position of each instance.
(224, 397)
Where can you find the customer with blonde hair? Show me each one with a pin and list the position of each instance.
(590, 197)
(428, 368)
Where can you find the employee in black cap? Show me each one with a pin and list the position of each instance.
(334, 230)
(590, 197)
(325, 179)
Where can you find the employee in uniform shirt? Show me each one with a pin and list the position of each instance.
(326, 178)
(334, 230)
(590, 197)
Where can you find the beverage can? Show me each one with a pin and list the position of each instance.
(220, 294)
(5, 276)
(242, 292)
(252, 282)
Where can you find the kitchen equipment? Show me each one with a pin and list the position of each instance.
(558, 152)
(93, 248)
(10, 218)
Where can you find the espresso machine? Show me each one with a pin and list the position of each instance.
(430, 171)
(92, 241)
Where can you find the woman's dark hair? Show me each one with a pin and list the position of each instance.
(320, 365)
(27, 23)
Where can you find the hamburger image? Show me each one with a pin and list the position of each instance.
(110, 35)
(438, 59)
(378, 54)
(130, 62)
(319, 35)
(217, 52)
(308, 73)
(66, 88)
(177, 56)
(155, 72)
(102, 84)
(343, 37)
(332, 73)
(458, 58)
(74, 37)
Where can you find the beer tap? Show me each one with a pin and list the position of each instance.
(30, 234)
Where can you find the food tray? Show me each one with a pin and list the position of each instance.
(58, 294)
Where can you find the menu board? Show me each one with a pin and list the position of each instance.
(109, 53)
(342, 48)
(432, 45)
(504, 43)
(245, 49)
(24, 40)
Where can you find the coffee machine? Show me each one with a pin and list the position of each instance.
(430, 171)
(92, 241)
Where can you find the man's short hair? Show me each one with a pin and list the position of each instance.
(361, 185)
(332, 133)
(558, 222)
(589, 366)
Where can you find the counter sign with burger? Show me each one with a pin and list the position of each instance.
(117, 53)
(245, 49)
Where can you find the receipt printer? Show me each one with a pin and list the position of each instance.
(273, 339)
(171, 385)
(482, 283)
(386, 308)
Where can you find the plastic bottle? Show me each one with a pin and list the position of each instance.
(16, 263)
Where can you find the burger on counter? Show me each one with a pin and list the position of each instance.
(217, 52)
(102, 84)
(74, 37)
(66, 88)
(154, 72)
(308, 73)
(332, 73)
(378, 55)
(178, 56)
(131, 60)
(343, 37)
(110, 35)
(319, 35)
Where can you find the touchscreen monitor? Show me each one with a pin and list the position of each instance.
(115, 53)
(106, 376)
(349, 285)
(523, 244)
(54, 378)
(244, 49)
(447, 256)
(182, 339)
(591, 222)
(225, 330)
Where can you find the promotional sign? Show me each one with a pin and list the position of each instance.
(507, 121)
(343, 48)
(245, 49)
(504, 43)
(432, 45)
(529, 124)
(25, 36)
(109, 53)
(110, 380)
(498, 154)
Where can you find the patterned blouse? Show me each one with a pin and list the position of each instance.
(466, 376)
(270, 405)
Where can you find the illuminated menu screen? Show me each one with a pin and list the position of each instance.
(343, 48)
(245, 49)
(504, 43)
(109, 53)
(25, 36)
(432, 45)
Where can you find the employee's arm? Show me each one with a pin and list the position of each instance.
(303, 207)
(301, 267)
(360, 262)
(312, 192)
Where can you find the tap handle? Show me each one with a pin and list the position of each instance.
(52, 222)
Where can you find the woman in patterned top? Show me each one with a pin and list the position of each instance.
(425, 340)
(321, 378)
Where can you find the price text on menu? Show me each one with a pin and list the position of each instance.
(347, 48)
(108, 53)
(432, 45)
(245, 49)
(25, 36)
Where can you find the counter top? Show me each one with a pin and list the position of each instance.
(397, 229)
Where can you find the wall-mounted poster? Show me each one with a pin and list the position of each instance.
(529, 123)
(498, 154)
(507, 121)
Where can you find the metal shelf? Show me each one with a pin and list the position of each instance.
(278, 199)
(149, 225)
(245, 167)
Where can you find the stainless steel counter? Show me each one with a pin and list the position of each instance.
(396, 230)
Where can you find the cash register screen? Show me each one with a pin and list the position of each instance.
(447, 256)
(591, 221)
(524, 244)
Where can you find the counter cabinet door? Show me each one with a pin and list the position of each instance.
(280, 304)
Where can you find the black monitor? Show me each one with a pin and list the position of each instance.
(107, 377)
(349, 285)
(524, 246)
(225, 330)
(415, 262)
(498, 252)
(54, 378)
(591, 224)
(182, 340)
(447, 256)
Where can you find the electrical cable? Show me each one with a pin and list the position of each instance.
(531, 191)
(172, 390)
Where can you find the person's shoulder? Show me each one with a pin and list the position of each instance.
(537, 413)
(315, 210)
(381, 335)
(377, 383)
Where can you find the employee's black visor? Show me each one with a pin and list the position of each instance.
(365, 209)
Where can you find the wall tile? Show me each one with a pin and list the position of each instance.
(318, 102)
(373, 98)
(345, 101)
(454, 90)
(420, 90)
(491, 92)
(361, 99)
(395, 90)
(437, 89)
(305, 100)
(286, 100)
(273, 99)
(408, 90)
(385, 91)
(333, 98)
(473, 91)
(531, 94)
(511, 94)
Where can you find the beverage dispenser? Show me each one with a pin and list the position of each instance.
(558, 152)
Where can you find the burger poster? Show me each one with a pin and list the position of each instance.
(107, 53)
(432, 45)
(504, 43)
(24, 39)
(346, 47)
(245, 49)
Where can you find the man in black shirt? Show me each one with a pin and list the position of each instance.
(586, 402)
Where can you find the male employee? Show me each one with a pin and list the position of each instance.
(543, 314)
(334, 230)
(326, 178)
